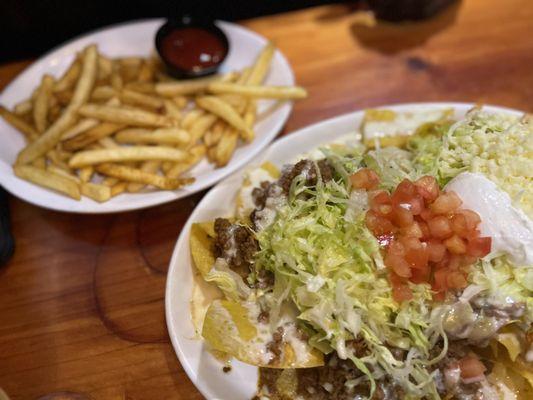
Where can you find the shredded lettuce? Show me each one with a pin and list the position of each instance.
(392, 164)
(333, 267)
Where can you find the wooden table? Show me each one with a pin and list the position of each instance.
(82, 301)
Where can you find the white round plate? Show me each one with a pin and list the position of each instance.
(203, 369)
(137, 39)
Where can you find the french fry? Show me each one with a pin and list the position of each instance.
(105, 66)
(172, 110)
(146, 72)
(83, 88)
(222, 109)
(141, 87)
(103, 93)
(169, 136)
(55, 159)
(24, 107)
(118, 188)
(115, 78)
(86, 173)
(188, 120)
(180, 88)
(136, 175)
(140, 99)
(42, 100)
(166, 166)
(64, 98)
(80, 127)
(200, 126)
(261, 65)
(225, 147)
(67, 174)
(108, 143)
(211, 138)
(19, 124)
(125, 115)
(249, 119)
(39, 163)
(196, 153)
(69, 78)
(180, 101)
(48, 180)
(147, 166)
(121, 154)
(262, 92)
(188, 87)
(100, 193)
(110, 181)
(91, 135)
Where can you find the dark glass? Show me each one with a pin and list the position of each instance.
(402, 10)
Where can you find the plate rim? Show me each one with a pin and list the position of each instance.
(185, 230)
(163, 196)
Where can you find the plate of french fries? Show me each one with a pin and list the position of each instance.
(98, 126)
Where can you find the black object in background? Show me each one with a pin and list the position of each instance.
(405, 10)
(29, 28)
(7, 243)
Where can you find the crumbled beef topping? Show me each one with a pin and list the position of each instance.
(306, 167)
(264, 279)
(275, 347)
(328, 382)
(236, 244)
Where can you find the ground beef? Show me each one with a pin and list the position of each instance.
(275, 347)
(264, 279)
(308, 168)
(328, 383)
(236, 244)
(260, 194)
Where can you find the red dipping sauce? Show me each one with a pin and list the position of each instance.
(192, 49)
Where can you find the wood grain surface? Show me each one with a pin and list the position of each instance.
(82, 301)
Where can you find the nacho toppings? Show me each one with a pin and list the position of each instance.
(365, 269)
(425, 235)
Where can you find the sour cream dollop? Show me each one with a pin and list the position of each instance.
(509, 227)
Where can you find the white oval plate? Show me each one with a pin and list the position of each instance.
(203, 369)
(137, 39)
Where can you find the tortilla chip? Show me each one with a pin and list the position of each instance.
(228, 328)
(201, 244)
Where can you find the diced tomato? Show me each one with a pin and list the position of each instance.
(412, 230)
(455, 245)
(400, 290)
(377, 224)
(472, 218)
(478, 247)
(459, 226)
(456, 280)
(428, 188)
(425, 229)
(420, 275)
(471, 367)
(440, 227)
(365, 178)
(425, 236)
(398, 264)
(455, 262)
(436, 250)
(418, 259)
(426, 214)
(401, 216)
(440, 279)
(445, 203)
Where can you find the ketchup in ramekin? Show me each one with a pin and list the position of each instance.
(191, 48)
